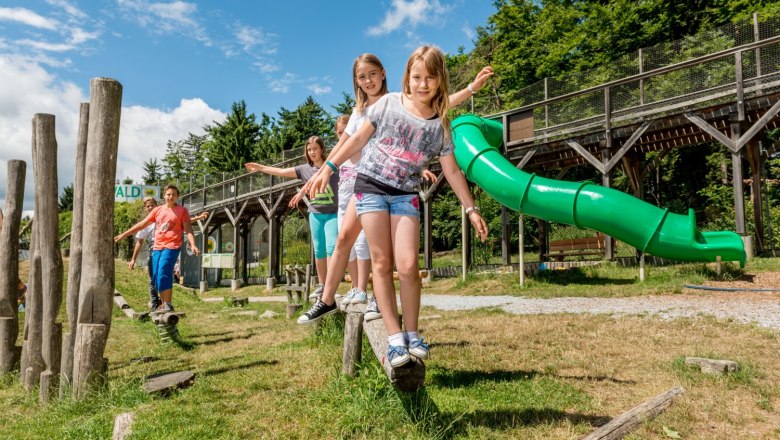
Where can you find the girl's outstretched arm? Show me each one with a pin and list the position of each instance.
(274, 171)
(307, 186)
(458, 184)
(350, 147)
(458, 97)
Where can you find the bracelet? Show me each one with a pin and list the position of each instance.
(472, 209)
(471, 89)
(332, 166)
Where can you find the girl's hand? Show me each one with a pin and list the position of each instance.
(253, 166)
(296, 199)
(429, 176)
(119, 237)
(196, 251)
(479, 224)
(307, 186)
(482, 78)
(131, 264)
(319, 183)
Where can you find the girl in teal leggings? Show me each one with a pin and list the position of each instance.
(323, 208)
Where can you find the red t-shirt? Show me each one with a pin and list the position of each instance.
(169, 226)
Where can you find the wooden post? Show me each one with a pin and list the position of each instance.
(32, 357)
(49, 378)
(506, 256)
(635, 417)
(97, 277)
(74, 264)
(736, 164)
(353, 342)
(428, 233)
(9, 263)
(521, 262)
(465, 226)
(47, 221)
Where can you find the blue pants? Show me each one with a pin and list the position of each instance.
(324, 232)
(163, 261)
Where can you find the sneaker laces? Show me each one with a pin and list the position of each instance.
(419, 342)
(395, 350)
(315, 308)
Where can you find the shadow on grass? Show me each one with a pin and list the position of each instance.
(460, 379)
(450, 344)
(425, 414)
(221, 340)
(575, 275)
(220, 370)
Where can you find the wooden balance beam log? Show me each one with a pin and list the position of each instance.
(620, 426)
(408, 378)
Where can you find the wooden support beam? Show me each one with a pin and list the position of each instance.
(527, 158)
(586, 155)
(712, 131)
(9, 263)
(626, 146)
(620, 426)
(353, 342)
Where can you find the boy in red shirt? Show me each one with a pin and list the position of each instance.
(171, 222)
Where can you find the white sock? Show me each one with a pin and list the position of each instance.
(411, 336)
(397, 340)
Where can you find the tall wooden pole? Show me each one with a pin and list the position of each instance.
(74, 266)
(97, 275)
(47, 221)
(9, 262)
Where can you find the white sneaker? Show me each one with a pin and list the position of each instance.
(372, 311)
(350, 296)
(317, 292)
(359, 297)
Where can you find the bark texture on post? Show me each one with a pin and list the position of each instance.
(97, 276)
(74, 264)
(32, 356)
(49, 378)
(9, 262)
(47, 221)
(353, 343)
(88, 363)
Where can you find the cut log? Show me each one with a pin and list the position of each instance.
(51, 377)
(635, 417)
(713, 366)
(8, 334)
(353, 343)
(166, 319)
(44, 393)
(122, 426)
(292, 309)
(164, 383)
(120, 302)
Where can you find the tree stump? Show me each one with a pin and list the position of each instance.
(8, 334)
(122, 426)
(635, 417)
(32, 356)
(9, 262)
(164, 383)
(88, 363)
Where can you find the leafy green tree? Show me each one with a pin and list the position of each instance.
(127, 181)
(232, 143)
(345, 106)
(152, 172)
(66, 199)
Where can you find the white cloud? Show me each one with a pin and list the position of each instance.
(266, 66)
(409, 13)
(26, 88)
(177, 17)
(319, 89)
(69, 9)
(467, 29)
(46, 47)
(282, 85)
(27, 17)
(250, 38)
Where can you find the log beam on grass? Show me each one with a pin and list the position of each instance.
(164, 383)
(165, 319)
(408, 378)
(48, 236)
(713, 366)
(9, 262)
(74, 263)
(630, 420)
(353, 342)
(97, 276)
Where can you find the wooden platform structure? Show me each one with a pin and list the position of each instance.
(731, 96)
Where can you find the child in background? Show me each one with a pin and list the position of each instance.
(21, 290)
(323, 206)
(146, 236)
(403, 132)
(171, 222)
(370, 84)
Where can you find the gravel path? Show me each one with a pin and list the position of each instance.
(764, 312)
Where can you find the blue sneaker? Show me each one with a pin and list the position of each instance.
(418, 348)
(350, 296)
(397, 355)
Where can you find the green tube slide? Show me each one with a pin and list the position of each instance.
(583, 204)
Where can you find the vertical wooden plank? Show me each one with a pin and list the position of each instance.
(9, 262)
(353, 342)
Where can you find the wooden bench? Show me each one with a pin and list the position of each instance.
(576, 247)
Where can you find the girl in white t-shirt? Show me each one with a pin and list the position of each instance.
(402, 133)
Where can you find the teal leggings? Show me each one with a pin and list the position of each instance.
(324, 232)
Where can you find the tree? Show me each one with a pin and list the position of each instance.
(66, 199)
(184, 158)
(152, 172)
(127, 181)
(308, 119)
(345, 106)
(232, 144)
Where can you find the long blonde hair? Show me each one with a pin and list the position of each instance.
(361, 98)
(434, 62)
(317, 140)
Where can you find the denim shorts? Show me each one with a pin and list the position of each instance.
(407, 205)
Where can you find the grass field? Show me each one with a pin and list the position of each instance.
(491, 375)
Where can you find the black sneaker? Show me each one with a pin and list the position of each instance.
(317, 311)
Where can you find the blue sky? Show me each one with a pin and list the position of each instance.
(182, 63)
